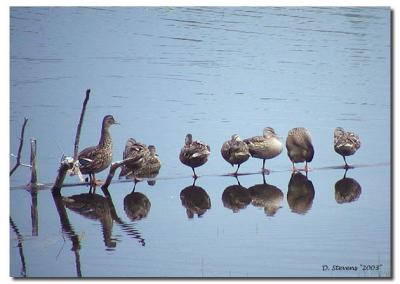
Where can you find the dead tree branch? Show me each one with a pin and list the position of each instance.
(33, 162)
(78, 130)
(21, 142)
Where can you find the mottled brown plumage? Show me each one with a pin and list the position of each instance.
(264, 147)
(194, 153)
(345, 143)
(135, 151)
(151, 164)
(235, 151)
(97, 158)
(299, 146)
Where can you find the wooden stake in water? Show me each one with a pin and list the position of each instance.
(33, 162)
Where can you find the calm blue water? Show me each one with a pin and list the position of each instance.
(164, 72)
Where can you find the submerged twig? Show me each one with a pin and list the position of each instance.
(21, 142)
(78, 130)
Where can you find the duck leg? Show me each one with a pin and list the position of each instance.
(293, 168)
(264, 170)
(194, 174)
(236, 173)
(306, 168)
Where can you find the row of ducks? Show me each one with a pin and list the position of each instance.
(143, 160)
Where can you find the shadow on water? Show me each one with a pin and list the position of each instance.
(267, 196)
(236, 197)
(196, 200)
(300, 193)
(347, 190)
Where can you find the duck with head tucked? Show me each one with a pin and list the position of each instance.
(194, 153)
(345, 143)
(299, 147)
(97, 158)
(235, 152)
(136, 152)
(151, 164)
(264, 147)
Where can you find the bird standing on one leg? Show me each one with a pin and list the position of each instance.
(265, 147)
(194, 153)
(345, 143)
(299, 146)
(235, 151)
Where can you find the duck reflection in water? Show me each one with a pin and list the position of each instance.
(94, 207)
(347, 190)
(268, 196)
(300, 194)
(196, 200)
(236, 197)
(136, 206)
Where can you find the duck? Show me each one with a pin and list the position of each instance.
(194, 153)
(299, 147)
(95, 159)
(345, 143)
(151, 164)
(264, 147)
(235, 151)
(135, 151)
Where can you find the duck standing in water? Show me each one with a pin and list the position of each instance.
(135, 151)
(265, 147)
(235, 152)
(194, 153)
(95, 159)
(345, 143)
(299, 146)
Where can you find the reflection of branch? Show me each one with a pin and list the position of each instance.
(21, 142)
(125, 227)
(78, 130)
(21, 249)
(34, 210)
(69, 230)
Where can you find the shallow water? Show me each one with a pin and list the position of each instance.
(164, 72)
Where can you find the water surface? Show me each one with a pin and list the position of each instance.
(164, 72)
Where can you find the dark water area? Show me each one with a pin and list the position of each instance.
(163, 72)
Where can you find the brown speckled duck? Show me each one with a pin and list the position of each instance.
(299, 146)
(151, 164)
(345, 143)
(235, 151)
(194, 153)
(136, 151)
(95, 159)
(265, 147)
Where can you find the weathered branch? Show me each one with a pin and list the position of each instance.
(33, 163)
(65, 165)
(21, 142)
(113, 168)
(78, 130)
